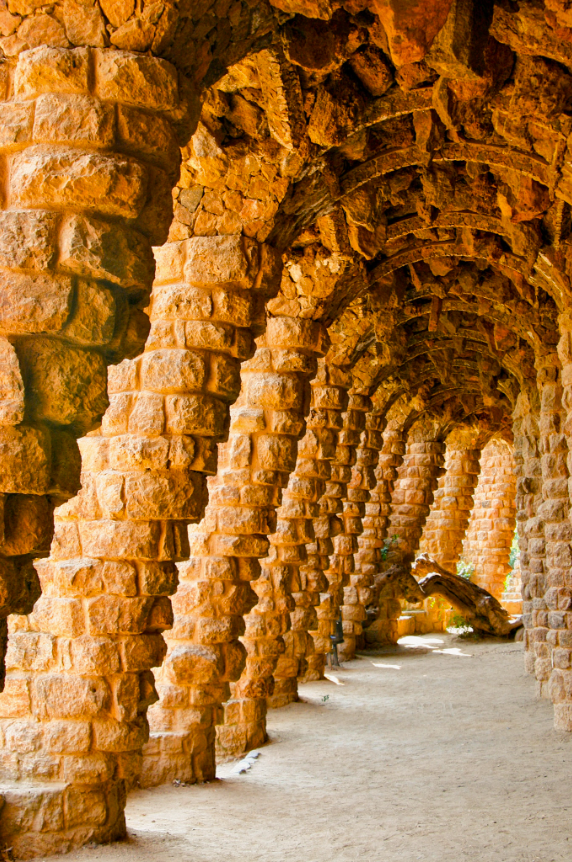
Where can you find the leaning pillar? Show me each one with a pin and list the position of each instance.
(416, 483)
(204, 652)
(491, 526)
(245, 714)
(376, 525)
(340, 564)
(79, 667)
(411, 501)
(358, 593)
(330, 400)
(448, 519)
(90, 157)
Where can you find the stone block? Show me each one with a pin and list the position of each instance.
(149, 136)
(93, 247)
(68, 697)
(147, 415)
(61, 119)
(172, 371)
(25, 460)
(48, 70)
(128, 452)
(94, 319)
(122, 540)
(66, 737)
(221, 260)
(173, 494)
(143, 651)
(136, 79)
(117, 615)
(11, 386)
(16, 128)
(194, 664)
(65, 385)
(27, 239)
(93, 768)
(195, 414)
(108, 184)
(85, 808)
(181, 302)
(34, 303)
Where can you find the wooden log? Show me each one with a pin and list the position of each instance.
(481, 610)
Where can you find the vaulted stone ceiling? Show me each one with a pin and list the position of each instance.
(430, 165)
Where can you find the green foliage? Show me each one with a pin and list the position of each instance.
(387, 544)
(465, 569)
(457, 621)
(514, 551)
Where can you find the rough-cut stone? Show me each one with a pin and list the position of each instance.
(408, 166)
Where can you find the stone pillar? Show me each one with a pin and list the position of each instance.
(558, 596)
(448, 519)
(554, 532)
(417, 480)
(411, 500)
(343, 530)
(331, 400)
(528, 499)
(384, 628)
(204, 653)
(492, 522)
(325, 423)
(245, 714)
(79, 667)
(290, 542)
(358, 593)
(89, 157)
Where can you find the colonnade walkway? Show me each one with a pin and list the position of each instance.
(431, 750)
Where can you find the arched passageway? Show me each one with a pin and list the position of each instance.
(323, 249)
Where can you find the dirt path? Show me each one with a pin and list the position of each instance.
(420, 754)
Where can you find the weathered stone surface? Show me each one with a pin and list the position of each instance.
(34, 303)
(113, 186)
(105, 250)
(396, 174)
(11, 386)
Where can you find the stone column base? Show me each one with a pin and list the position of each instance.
(43, 819)
(244, 728)
(285, 692)
(186, 756)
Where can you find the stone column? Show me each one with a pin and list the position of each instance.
(79, 667)
(331, 401)
(245, 714)
(528, 499)
(558, 596)
(89, 158)
(448, 519)
(411, 500)
(554, 532)
(358, 593)
(492, 522)
(414, 489)
(214, 593)
(384, 628)
(301, 507)
(340, 563)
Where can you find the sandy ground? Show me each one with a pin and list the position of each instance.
(433, 750)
